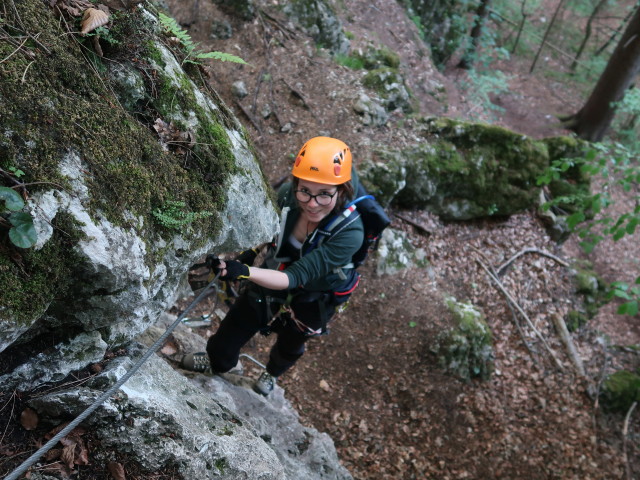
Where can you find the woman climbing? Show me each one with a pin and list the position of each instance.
(308, 270)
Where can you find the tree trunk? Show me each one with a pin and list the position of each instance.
(587, 34)
(521, 26)
(470, 55)
(546, 34)
(595, 117)
(615, 34)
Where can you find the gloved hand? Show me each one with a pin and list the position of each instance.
(247, 256)
(213, 263)
(235, 270)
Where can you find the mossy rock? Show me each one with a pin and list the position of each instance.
(373, 58)
(620, 390)
(244, 9)
(588, 282)
(66, 104)
(462, 170)
(389, 84)
(320, 21)
(576, 319)
(443, 25)
(466, 350)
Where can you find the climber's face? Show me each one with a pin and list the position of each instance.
(316, 200)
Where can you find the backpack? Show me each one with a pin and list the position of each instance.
(374, 220)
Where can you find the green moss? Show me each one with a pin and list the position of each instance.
(620, 390)
(221, 465)
(373, 58)
(380, 78)
(59, 104)
(576, 320)
(32, 279)
(465, 170)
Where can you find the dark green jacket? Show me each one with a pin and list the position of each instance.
(318, 269)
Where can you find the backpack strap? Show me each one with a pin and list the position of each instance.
(341, 220)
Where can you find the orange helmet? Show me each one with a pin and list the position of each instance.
(323, 160)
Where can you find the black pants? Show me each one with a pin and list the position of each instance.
(247, 317)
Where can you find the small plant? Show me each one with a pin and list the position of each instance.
(21, 230)
(190, 47)
(591, 219)
(16, 172)
(173, 216)
(350, 61)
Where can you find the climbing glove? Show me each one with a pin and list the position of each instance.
(212, 262)
(247, 256)
(235, 270)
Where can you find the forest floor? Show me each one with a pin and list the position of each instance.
(372, 384)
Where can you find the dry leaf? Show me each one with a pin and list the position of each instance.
(116, 470)
(69, 454)
(324, 385)
(92, 19)
(53, 454)
(29, 419)
(169, 349)
(170, 135)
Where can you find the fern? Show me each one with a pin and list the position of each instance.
(173, 217)
(190, 47)
(224, 57)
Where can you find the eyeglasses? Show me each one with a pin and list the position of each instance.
(323, 198)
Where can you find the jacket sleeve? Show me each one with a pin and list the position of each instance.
(335, 252)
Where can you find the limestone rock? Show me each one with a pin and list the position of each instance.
(320, 22)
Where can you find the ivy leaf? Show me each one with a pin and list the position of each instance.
(12, 199)
(23, 234)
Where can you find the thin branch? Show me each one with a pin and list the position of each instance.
(532, 354)
(12, 399)
(531, 250)
(513, 312)
(420, 227)
(249, 116)
(25, 71)
(522, 312)
(298, 94)
(561, 327)
(625, 430)
(15, 51)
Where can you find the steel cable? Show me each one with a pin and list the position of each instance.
(100, 400)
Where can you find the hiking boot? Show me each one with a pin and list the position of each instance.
(196, 362)
(265, 384)
(199, 362)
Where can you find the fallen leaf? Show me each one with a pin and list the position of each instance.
(92, 19)
(325, 386)
(116, 470)
(53, 454)
(29, 419)
(169, 349)
(69, 454)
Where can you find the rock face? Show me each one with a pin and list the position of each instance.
(130, 190)
(443, 24)
(319, 20)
